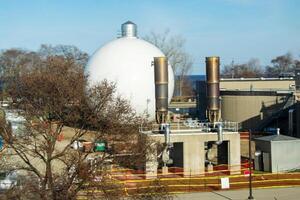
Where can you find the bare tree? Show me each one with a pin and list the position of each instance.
(173, 48)
(70, 53)
(47, 96)
(250, 69)
(12, 62)
(281, 65)
(53, 98)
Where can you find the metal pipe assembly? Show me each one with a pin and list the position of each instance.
(161, 89)
(213, 88)
(220, 134)
(161, 100)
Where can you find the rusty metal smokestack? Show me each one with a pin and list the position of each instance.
(213, 88)
(161, 88)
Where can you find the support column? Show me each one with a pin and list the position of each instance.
(193, 158)
(234, 159)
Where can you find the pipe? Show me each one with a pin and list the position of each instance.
(220, 134)
(167, 134)
(165, 128)
(161, 88)
(213, 88)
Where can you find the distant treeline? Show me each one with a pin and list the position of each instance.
(281, 66)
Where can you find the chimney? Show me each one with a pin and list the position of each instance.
(213, 88)
(161, 88)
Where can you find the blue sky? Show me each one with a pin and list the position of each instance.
(232, 29)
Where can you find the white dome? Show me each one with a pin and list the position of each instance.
(127, 62)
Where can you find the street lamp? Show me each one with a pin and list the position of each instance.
(250, 168)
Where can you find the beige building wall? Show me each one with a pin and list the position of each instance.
(250, 110)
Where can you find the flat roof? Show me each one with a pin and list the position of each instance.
(276, 138)
(257, 79)
(256, 92)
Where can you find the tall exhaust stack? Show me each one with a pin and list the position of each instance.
(213, 88)
(161, 88)
(161, 99)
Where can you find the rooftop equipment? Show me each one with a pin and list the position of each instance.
(129, 29)
(213, 88)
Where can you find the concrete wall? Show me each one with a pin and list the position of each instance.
(250, 110)
(194, 152)
(285, 155)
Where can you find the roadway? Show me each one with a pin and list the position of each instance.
(284, 193)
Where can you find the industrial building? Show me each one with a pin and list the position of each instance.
(260, 104)
(263, 97)
(251, 101)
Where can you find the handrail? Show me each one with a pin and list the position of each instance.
(194, 125)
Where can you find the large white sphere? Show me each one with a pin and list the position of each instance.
(127, 62)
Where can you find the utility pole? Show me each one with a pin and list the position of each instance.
(232, 69)
(250, 167)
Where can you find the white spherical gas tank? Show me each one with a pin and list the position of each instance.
(127, 61)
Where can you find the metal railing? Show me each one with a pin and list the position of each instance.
(196, 125)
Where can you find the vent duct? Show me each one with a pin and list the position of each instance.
(129, 29)
(213, 88)
(161, 88)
